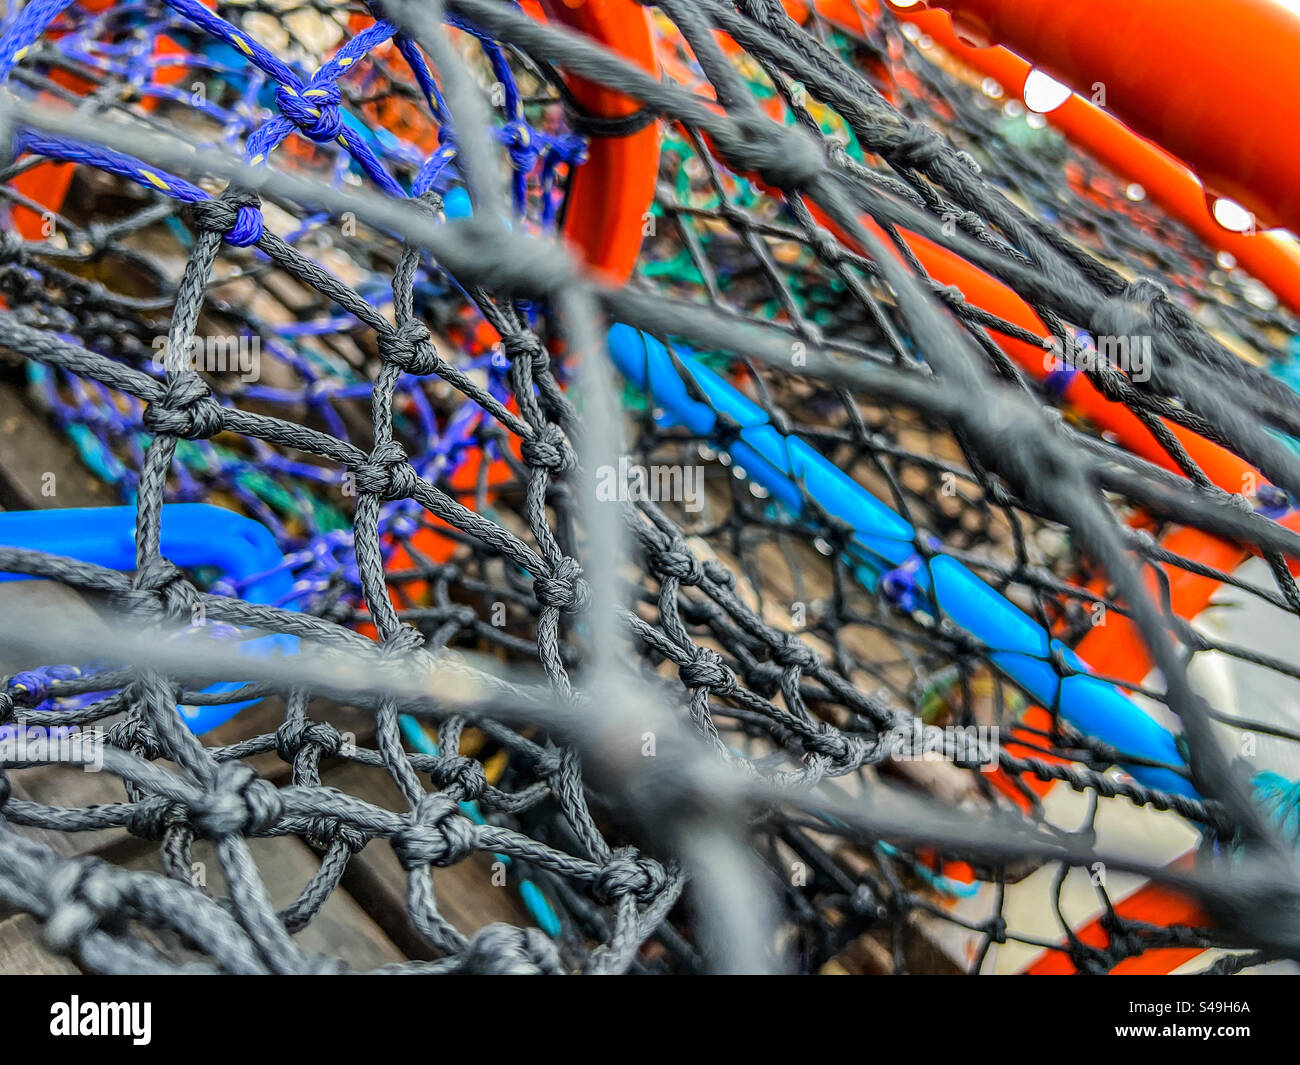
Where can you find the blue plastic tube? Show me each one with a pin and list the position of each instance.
(795, 472)
(193, 535)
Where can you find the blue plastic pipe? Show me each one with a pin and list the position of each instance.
(794, 472)
(193, 535)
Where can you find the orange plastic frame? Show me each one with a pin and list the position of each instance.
(1215, 82)
(1271, 258)
(981, 290)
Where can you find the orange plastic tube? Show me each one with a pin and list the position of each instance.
(1268, 257)
(1215, 82)
(1271, 258)
(1154, 904)
(1225, 469)
(612, 191)
(1222, 467)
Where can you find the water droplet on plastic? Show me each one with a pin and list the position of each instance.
(1043, 93)
(1232, 216)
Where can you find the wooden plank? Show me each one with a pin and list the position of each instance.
(23, 954)
(30, 449)
(56, 604)
(341, 928)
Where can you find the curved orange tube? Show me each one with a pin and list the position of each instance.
(1221, 466)
(1225, 469)
(1215, 82)
(612, 191)
(1268, 257)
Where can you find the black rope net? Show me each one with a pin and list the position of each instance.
(715, 689)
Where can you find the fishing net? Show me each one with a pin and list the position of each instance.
(840, 608)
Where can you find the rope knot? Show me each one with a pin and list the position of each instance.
(548, 449)
(788, 159)
(917, 147)
(709, 670)
(628, 873)
(159, 587)
(410, 347)
(134, 735)
(825, 246)
(464, 616)
(315, 111)
(295, 734)
(1273, 501)
(349, 835)
(845, 753)
(241, 803)
(457, 771)
(81, 896)
(235, 214)
(676, 560)
(151, 818)
(405, 639)
(386, 472)
(186, 409)
(519, 142)
(32, 687)
(795, 654)
(527, 344)
(505, 950)
(996, 929)
(1129, 313)
(564, 589)
(439, 835)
